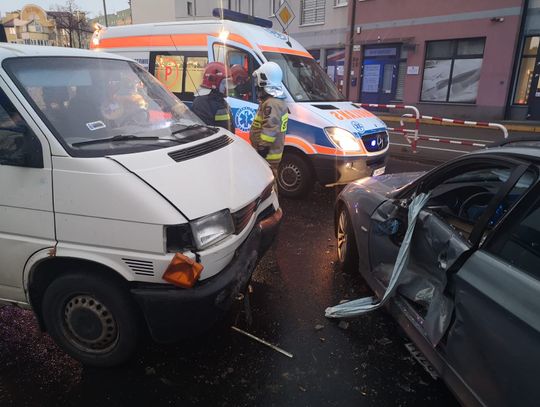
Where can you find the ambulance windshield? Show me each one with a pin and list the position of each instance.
(304, 78)
(97, 106)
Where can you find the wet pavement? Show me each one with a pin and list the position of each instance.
(362, 363)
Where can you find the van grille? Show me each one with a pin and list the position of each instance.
(242, 216)
(140, 267)
(201, 149)
(376, 141)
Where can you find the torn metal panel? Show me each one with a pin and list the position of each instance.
(363, 305)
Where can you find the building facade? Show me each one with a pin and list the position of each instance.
(449, 58)
(319, 25)
(32, 25)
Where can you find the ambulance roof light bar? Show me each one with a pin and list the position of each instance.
(230, 15)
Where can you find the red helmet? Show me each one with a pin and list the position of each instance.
(214, 73)
(239, 74)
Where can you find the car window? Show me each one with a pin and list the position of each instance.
(240, 65)
(462, 199)
(18, 144)
(519, 244)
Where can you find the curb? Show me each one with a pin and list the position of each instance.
(510, 127)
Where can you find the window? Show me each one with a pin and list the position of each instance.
(182, 74)
(189, 8)
(240, 65)
(312, 11)
(340, 3)
(462, 199)
(316, 54)
(18, 144)
(274, 5)
(526, 70)
(335, 66)
(519, 242)
(402, 72)
(452, 70)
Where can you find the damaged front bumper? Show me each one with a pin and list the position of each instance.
(173, 313)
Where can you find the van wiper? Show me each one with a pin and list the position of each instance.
(123, 137)
(195, 127)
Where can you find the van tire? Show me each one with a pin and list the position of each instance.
(295, 176)
(91, 318)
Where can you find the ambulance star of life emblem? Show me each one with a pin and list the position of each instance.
(243, 118)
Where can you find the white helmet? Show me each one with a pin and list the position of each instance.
(269, 77)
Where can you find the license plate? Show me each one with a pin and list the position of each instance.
(379, 171)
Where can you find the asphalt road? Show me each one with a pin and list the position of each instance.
(362, 363)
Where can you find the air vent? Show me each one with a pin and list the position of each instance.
(140, 267)
(201, 149)
(325, 107)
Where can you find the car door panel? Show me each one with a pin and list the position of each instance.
(494, 341)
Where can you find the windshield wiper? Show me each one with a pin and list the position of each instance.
(123, 137)
(195, 127)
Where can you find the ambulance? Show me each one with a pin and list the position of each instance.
(329, 139)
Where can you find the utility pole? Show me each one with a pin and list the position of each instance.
(105, 11)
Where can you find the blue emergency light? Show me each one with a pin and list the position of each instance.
(230, 15)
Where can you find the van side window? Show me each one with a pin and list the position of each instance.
(180, 72)
(18, 145)
(240, 65)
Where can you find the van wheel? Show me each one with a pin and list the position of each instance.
(346, 242)
(295, 177)
(92, 319)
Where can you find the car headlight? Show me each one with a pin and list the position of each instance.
(342, 138)
(212, 228)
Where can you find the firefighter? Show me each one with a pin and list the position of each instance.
(267, 134)
(211, 105)
(241, 81)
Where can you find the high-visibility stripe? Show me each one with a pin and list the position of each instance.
(300, 143)
(265, 137)
(280, 50)
(236, 38)
(220, 117)
(284, 121)
(190, 40)
(274, 157)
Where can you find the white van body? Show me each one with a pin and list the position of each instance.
(335, 140)
(119, 211)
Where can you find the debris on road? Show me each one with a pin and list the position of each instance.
(343, 324)
(319, 327)
(277, 349)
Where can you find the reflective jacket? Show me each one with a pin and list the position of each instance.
(269, 127)
(214, 110)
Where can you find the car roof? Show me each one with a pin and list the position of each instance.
(523, 151)
(21, 50)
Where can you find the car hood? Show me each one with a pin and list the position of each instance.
(226, 178)
(385, 184)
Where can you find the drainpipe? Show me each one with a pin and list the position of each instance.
(351, 41)
(517, 58)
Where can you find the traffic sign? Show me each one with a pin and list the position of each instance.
(285, 15)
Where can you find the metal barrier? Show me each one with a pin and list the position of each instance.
(402, 128)
(457, 121)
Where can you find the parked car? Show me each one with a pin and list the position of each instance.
(469, 296)
(118, 206)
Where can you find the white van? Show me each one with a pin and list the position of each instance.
(119, 208)
(328, 139)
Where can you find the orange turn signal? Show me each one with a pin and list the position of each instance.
(183, 271)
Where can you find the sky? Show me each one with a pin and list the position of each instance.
(93, 7)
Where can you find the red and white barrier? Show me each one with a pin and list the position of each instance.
(402, 128)
(462, 122)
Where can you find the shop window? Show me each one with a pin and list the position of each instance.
(526, 70)
(452, 70)
(316, 54)
(335, 63)
(312, 11)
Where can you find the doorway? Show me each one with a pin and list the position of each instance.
(379, 73)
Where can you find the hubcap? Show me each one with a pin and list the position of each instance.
(342, 236)
(89, 325)
(290, 177)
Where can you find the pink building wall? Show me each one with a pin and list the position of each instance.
(499, 51)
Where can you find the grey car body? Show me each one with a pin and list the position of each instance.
(469, 297)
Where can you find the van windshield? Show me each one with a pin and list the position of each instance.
(97, 107)
(304, 78)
